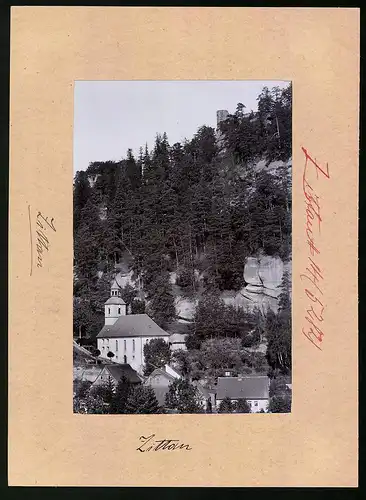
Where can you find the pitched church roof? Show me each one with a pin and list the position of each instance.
(132, 325)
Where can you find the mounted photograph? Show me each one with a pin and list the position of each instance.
(182, 228)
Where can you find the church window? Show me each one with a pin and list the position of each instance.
(109, 310)
(119, 310)
(124, 345)
(133, 345)
(116, 345)
(125, 359)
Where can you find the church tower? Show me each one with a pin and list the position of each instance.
(115, 305)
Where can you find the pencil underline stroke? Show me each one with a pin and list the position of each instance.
(31, 242)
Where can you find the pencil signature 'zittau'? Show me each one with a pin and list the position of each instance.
(43, 227)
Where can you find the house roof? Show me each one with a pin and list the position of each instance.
(174, 369)
(255, 387)
(117, 371)
(115, 301)
(160, 371)
(178, 327)
(177, 338)
(132, 325)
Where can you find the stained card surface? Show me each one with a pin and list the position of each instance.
(183, 247)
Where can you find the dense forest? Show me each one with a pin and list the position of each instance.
(201, 206)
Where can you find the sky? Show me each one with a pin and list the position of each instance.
(112, 116)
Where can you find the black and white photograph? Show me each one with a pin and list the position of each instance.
(182, 258)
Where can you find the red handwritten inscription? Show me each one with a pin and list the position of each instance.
(313, 275)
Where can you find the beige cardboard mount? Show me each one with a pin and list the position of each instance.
(51, 47)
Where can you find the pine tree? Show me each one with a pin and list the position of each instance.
(278, 328)
(105, 391)
(183, 397)
(123, 390)
(209, 320)
(81, 197)
(161, 300)
(142, 399)
(284, 302)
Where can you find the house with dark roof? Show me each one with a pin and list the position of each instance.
(114, 372)
(254, 389)
(178, 332)
(125, 335)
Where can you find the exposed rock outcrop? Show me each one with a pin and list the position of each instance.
(262, 277)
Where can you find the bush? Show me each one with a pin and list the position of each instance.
(81, 388)
(186, 280)
(89, 404)
(138, 306)
(157, 354)
(226, 406)
(280, 404)
(278, 387)
(229, 278)
(242, 406)
(103, 391)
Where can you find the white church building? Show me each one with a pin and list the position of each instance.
(126, 334)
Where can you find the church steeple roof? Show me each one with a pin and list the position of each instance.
(115, 285)
(115, 300)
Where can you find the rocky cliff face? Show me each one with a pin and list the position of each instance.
(262, 277)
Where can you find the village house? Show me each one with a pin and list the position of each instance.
(114, 372)
(161, 378)
(254, 389)
(178, 331)
(177, 341)
(125, 335)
